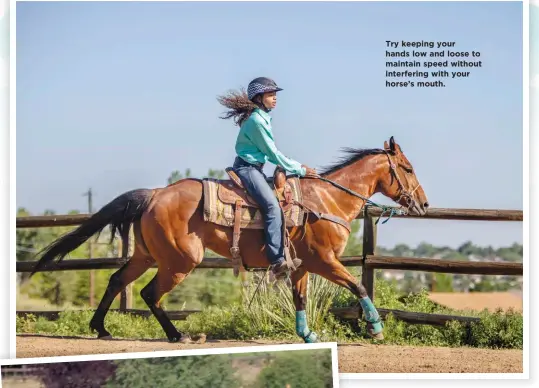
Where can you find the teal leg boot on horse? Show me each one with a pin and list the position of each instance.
(300, 279)
(374, 325)
(302, 329)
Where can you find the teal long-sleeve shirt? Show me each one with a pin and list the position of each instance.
(255, 144)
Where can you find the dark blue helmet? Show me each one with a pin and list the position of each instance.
(261, 85)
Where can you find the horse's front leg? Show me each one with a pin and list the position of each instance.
(300, 279)
(332, 269)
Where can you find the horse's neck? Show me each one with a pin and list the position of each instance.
(361, 177)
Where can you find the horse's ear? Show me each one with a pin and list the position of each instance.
(392, 146)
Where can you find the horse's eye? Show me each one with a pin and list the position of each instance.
(407, 169)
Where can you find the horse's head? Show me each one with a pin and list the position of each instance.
(401, 184)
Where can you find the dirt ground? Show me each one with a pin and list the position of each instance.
(353, 358)
(477, 301)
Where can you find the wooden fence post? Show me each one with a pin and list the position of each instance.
(126, 296)
(369, 242)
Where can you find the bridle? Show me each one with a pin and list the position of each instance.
(408, 196)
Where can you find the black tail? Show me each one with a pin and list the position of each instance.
(120, 213)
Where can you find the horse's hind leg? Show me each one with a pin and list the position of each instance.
(173, 231)
(176, 260)
(161, 284)
(333, 270)
(133, 269)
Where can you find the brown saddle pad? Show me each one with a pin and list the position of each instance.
(220, 197)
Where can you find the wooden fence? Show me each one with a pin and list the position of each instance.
(19, 372)
(368, 261)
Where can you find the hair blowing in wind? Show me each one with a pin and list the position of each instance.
(238, 104)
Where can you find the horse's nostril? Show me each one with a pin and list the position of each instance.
(426, 205)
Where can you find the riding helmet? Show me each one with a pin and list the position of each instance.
(261, 85)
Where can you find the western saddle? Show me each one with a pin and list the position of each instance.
(234, 192)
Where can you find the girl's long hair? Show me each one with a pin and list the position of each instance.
(238, 104)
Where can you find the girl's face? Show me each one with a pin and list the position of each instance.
(269, 100)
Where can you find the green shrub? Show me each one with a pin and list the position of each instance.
(270, 313)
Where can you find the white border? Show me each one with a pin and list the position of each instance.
(526, 225)
(12, 179)
(5, 277)
(306, 1)
(192, 352)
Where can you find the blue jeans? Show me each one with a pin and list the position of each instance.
(254, 180)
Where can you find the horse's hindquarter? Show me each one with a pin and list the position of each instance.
(172, 225)
(179, 202)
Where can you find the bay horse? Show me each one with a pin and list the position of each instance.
(170, 230)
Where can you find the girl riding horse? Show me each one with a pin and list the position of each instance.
(255, 145)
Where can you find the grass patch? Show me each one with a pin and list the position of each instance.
(271, 315)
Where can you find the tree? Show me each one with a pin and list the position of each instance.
(175, 176)
(298, 369)
(468, 248)
(442, 282)
(216, 174)
(402, 250)
(425, 250)
(187, 371)
(81, 374)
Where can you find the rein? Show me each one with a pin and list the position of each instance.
(391, 209)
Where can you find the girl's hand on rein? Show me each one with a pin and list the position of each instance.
(311, 172)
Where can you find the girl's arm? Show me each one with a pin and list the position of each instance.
(260, 136)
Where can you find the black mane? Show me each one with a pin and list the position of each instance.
(353, 155)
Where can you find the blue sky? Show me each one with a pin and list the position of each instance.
(115, 96)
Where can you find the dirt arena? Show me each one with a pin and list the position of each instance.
(353, 358)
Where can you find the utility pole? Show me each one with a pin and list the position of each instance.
(92, 273)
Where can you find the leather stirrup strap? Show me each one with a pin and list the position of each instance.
(235, 250)
(286, 243)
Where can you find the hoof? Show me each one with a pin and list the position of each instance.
(174, 339)
(312, 338)
(199, 338)
(375, 330)
(101, 332)
(378, 337)
(178, 337)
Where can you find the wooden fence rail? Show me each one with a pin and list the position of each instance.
(368, 261)
(433, 214)
(342, 312)
(378, 262)
(18, 372)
